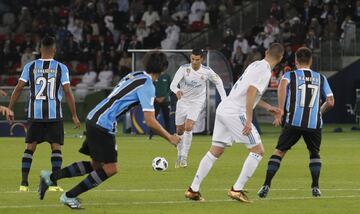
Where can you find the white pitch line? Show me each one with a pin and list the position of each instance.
(175, 202)
(178, 190)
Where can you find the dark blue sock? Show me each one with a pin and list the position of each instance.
(273, 166)
(94, 179)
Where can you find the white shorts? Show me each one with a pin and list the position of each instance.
(228, 129)
(186, 111)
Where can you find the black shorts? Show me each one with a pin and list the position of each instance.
(99, 144)
(52, 132)
(290, 136)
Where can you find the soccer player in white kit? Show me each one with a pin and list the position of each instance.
(233, 123)
(191, 97)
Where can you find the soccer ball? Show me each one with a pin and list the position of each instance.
(159, 164)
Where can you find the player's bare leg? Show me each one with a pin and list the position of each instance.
(252, 161)
(204, 168)
(26, 165)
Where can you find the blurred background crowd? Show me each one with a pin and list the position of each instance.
(94, 35)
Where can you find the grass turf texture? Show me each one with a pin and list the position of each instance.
(139, 189)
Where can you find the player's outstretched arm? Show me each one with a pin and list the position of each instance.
(14, 97)
(154, 125)
(71, 103)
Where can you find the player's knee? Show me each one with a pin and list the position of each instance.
(180, 130)
(110, 169)
(96, 165)
(31, 146)
(55, 146)
(216, 151)
(279, 153)
(258, 149)
(314, 155)
(188, 128)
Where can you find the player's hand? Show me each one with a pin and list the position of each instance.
(175, 139)
(76, 122)
(8, 113)
(179, 94)
(2, 93)
(278, 118)
(247, 128)
(274, 110)
(277, 122)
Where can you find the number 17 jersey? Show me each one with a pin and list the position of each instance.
(46, 78)
(306, 90)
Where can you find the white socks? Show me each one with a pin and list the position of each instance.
(249, 167)
(180, 145)
(204, 167)
(186, 143)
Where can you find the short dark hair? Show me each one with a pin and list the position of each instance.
(276, 50)
(48, 42)
(197, 52)
(155, 62)
(303, 55)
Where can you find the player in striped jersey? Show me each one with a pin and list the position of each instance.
(300, 94)
(136, 87)
(47, 79)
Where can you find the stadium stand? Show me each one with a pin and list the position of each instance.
(95, 33)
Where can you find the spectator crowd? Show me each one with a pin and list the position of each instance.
(296, 23)
(94, 35)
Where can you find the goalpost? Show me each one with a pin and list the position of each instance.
(178, 57)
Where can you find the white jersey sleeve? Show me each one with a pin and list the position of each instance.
(179, 75)
(258, 79)
(215, 78)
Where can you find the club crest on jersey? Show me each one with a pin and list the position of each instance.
(202, 77)
(188, 71)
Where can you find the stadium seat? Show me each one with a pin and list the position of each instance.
(2, 38)
(197, 26)
(63, 12)
(16, 67)
(70, 67)
(74, 81)
(11, 81)
(95, 38)
(81, 68)
(89, 78)
(19, 39)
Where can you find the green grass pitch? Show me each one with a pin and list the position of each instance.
(139, 189)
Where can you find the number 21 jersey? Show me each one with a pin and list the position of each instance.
(46, 78)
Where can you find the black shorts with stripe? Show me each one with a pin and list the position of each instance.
(291, 135)
(52, 132)
(99, 144)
